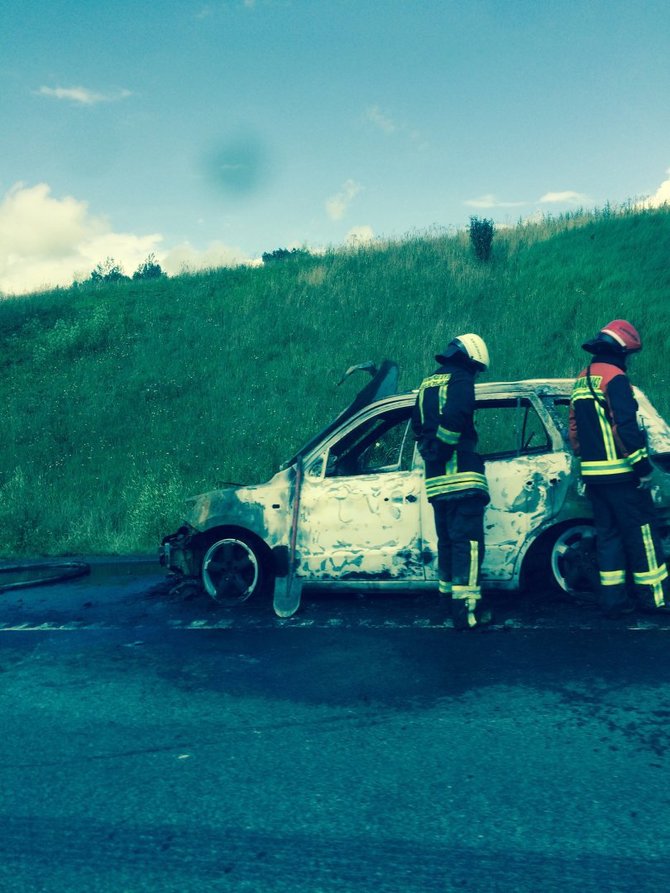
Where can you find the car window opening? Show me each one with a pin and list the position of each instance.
(380, 444)
(510, 428)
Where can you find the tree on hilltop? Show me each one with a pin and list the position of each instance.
(283, 254)
(109, 271)
(149, 269)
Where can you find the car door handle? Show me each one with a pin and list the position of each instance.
(409, 498)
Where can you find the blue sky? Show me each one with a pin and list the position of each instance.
(210, 132)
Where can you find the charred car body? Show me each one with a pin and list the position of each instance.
(350, 507)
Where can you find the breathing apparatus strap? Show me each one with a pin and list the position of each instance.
(599, 398)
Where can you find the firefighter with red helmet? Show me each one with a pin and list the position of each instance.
(456, 487)
(615, 467)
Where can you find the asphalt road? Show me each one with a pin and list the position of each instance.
(156, 742)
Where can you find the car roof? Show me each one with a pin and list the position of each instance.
(543, 386)
(561, 387)
(501, 390)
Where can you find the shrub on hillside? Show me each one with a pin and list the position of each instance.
(109, 271)
(481, 236)
(149, 269)
(283, 254)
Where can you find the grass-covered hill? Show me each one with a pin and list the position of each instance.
(119, 400)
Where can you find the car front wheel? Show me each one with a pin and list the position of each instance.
(232, 570)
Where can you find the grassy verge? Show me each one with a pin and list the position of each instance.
(120, 400)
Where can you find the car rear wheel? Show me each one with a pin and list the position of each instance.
(573, 561)
(233, 570)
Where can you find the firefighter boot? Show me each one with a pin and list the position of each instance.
(463, 613)
(466, 609)
(614, 599)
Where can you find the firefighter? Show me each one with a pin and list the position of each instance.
(615, 467)
(442, 422)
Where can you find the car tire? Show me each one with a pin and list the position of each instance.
(573, 564)
(233, 570)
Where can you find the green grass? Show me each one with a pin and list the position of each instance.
(120, 400)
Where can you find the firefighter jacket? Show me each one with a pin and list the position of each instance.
(442, 422)
(604, 431)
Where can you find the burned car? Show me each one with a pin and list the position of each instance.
(349, 508)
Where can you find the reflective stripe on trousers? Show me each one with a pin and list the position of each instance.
(656, 573)
(624, 522)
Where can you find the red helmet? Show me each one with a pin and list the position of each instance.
(618, 336)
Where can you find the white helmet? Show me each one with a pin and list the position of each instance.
(473, 346)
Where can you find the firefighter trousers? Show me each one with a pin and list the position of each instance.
(459, 523)
(628, 546)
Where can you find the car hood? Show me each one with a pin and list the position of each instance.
(255, 507)
(383, 384)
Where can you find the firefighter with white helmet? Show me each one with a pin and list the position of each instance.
(456, 487)
(615, 467)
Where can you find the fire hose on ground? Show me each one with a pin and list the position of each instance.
(41, 573)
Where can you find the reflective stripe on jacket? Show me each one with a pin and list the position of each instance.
(442, 421)
(604, 431)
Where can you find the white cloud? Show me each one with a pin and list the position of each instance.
(82, 95)
(381, 120)
(660, 197)
(490, 201)
(184, 258)
(337, 205)
(566, 198)
(48, 242)
(537, 216)
(360, 235)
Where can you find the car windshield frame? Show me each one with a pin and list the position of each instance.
(384, 384)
